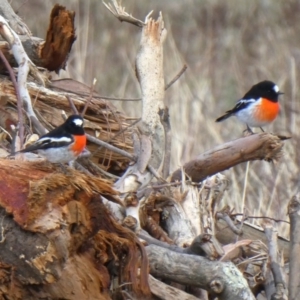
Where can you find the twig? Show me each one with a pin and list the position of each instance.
(110, 147)
(116, 135)
(168, 85)
(90, 98)
(72, 105)
(25, 66)
(94, 96)
(165, 120)
(259, 217)
(244, 195)
(155, 173)
(176, 77)
(271, 235)
(19, 100)
(224, 216)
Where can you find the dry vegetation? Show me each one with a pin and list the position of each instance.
(228, 46)
(255, 41)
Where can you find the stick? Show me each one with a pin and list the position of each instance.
(294, 214)
(19, 100)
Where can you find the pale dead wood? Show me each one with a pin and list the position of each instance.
(294, 214)
(150, 139)
(274, 257)
(25, 66)
(223, 280)
(178, 225)
(19, 100)
(263, 146)
(164, 291)
(15, 21)
(165, 120)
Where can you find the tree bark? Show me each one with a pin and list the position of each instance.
(62, 236)
(223, 280)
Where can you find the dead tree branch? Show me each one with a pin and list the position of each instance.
(294, 214)
(274, 257)
(149, 141)
(119, 12)
(220, 279)
(164, 291)
(264, 146)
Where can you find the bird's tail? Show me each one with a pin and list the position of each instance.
(224, 117)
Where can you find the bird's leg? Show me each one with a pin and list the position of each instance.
(261, 129)
(249, 130)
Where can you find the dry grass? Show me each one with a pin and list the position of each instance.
(228, 46)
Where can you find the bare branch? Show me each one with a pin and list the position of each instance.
(19, 100)
(119, 12)
(221, 279)
(254, 147)
(90, 98)
(274, 256)
(110, 147)
(226, 218)
(176, 77)
(25, 65)
(293, 211)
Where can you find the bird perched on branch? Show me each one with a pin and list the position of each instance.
(63, 144)
(258, 107)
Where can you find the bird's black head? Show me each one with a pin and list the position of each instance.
(264, 89)
(74, 125)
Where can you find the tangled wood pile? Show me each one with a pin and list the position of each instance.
(119, 226)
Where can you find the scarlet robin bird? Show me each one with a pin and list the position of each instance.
(258, 107)
(63, 144)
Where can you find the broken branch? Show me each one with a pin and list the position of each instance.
(254, 147)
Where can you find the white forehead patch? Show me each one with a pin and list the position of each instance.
(78, 122)
(276, 88)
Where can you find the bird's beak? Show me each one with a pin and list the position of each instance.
(280, 93)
